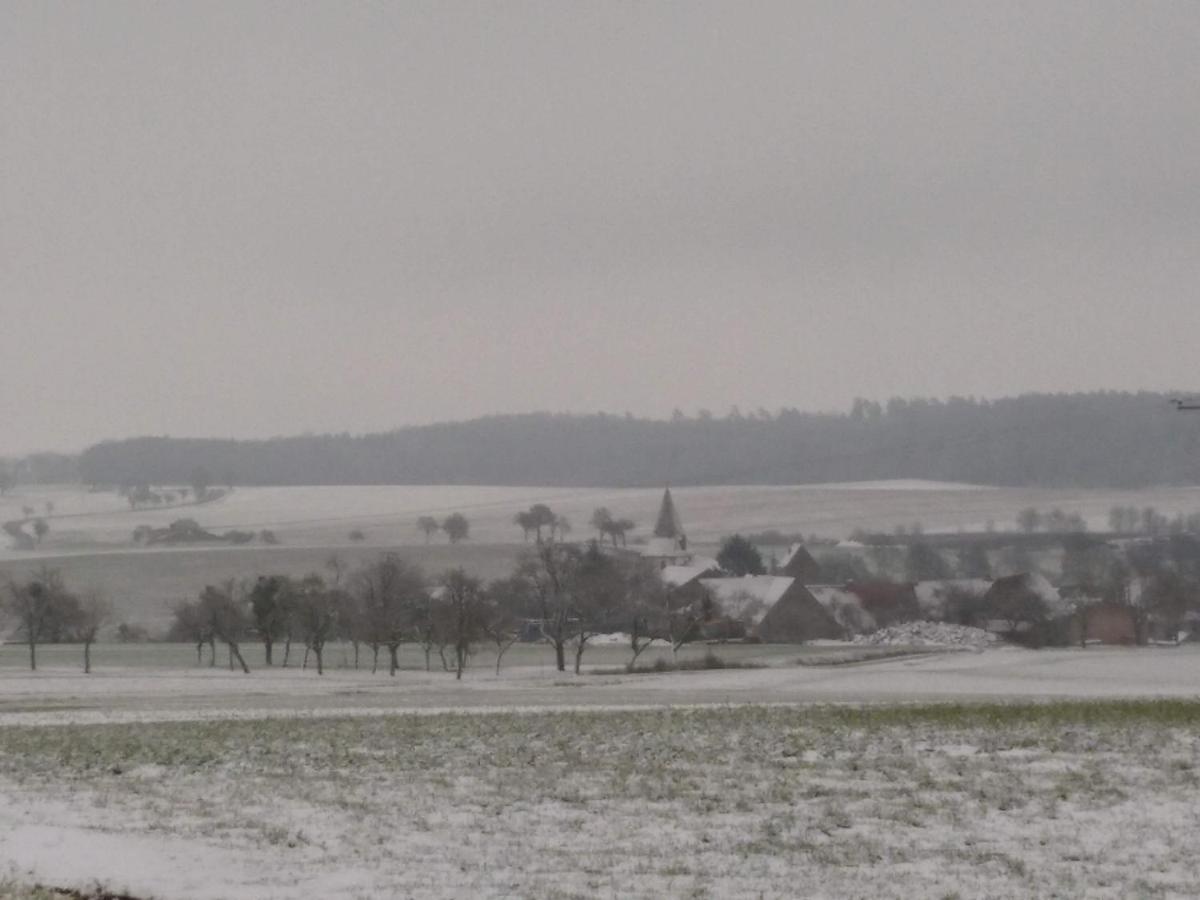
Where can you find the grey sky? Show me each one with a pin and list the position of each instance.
(251, 219)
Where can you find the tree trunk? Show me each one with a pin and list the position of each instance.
(287, 649)
(304, 662)
(212, 652)
(235, 653)
(461, 658)
(374, 658)
(319, 652)
(579, 655)
(428, 657)
(87, 657)
(267, 644)
(32, 655)
(393, 661)
(560, 655)
(199, 651)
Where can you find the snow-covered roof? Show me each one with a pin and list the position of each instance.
(791, 554)
(678, 576)
(751, 596)
(846, 607)
(706, 561)
(658, 546)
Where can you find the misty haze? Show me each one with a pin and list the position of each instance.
(599, 450)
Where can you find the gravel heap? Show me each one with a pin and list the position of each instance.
(929, 634)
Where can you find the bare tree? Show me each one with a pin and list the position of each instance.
(619, 528)
(429, 525)
(189, 626)
(550, 569)
(457, 527)
(42, 608)
(646, 604)
(505, 599)
(316, 615)
(464, 614)
(40, 529)
(388, 591)
(226, 618)
(597, 597)
(94, 613)
(526, 523)
(271, 610)
(685, 613)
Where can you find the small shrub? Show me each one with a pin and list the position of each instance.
(357, 535)
(239, 537)
(267, 536)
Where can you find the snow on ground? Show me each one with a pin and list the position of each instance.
(84, 521)
(66, 695)
(929, 634)
(715, 802)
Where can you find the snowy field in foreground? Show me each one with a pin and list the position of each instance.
(191, 784)
(750, 801)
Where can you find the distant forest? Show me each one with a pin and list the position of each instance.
(1052, 440)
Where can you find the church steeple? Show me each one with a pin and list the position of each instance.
(668, 524)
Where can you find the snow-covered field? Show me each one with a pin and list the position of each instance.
(58, 694)
(750, 801)
(324, 516)
(769, 782)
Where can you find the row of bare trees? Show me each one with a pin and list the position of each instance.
(43, 610)
(565, 594)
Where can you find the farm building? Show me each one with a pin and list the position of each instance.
(843, 607)
(1109, 623)
(799, 564)
(774, 608)
(888, 602)
(678, 577)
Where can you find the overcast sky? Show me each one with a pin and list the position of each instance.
(252, 219)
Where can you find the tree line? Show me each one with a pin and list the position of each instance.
(1068, 440)
(562, 593)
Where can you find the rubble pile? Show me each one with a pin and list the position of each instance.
(929, 634)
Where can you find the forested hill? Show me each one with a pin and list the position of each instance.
(1084, 440)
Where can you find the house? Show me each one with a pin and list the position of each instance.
(799, 563)
(1109, 623)
(680, 577)
(845, 608)
(773, 608)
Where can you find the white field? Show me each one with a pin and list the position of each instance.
(324, 516)
(736, 783)
(58, 693)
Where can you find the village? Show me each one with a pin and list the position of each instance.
(1131, 590)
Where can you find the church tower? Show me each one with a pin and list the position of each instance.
(668, 524)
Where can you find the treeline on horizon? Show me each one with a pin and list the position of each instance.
(1105, 439)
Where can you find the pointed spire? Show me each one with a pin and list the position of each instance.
(668, 525)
